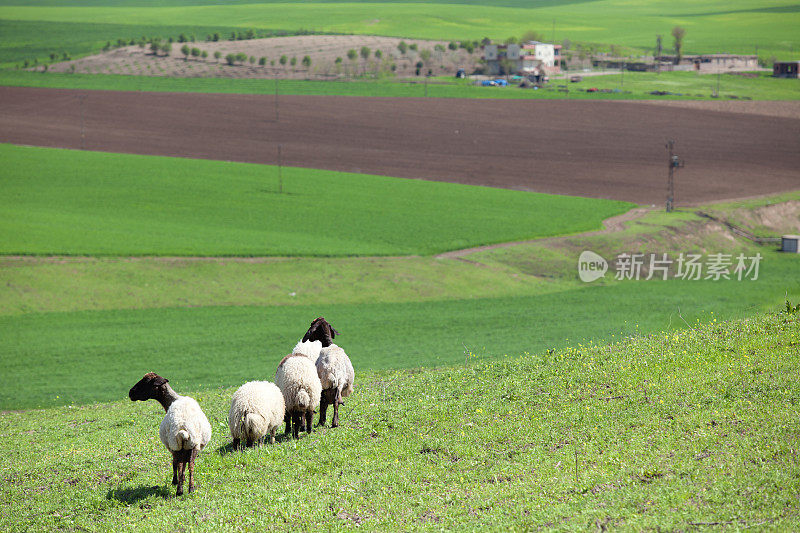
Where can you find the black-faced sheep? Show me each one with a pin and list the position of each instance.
(334, 369)
(257, 408)
(297, 379)
(184, 430)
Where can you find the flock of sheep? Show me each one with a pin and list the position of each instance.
(316, 374)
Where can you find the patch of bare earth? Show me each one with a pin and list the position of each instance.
(784, 109)
(323, 50)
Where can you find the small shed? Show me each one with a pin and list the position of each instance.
(786, 69)
(790, 243)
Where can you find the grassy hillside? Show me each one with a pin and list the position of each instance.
(712, 25)
(90, 203)
(630, 86)
(66, 321)
(671, 431)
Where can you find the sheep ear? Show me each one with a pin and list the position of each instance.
(333, 332)
(159, 381)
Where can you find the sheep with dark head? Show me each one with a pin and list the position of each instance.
(334, 369)
(184, 431)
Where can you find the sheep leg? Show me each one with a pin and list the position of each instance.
(287, 418)
(192, 457)
(336, 402)
(181, 472)
(272, 436)
(174, 468)
(309, 420)
(236, 444)
(296, 423)
(323, 408)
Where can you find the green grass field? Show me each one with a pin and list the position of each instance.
(631, 86)
(712, 25)
(674, 431)
(92, 203)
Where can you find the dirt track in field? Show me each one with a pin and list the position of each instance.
(589, 148)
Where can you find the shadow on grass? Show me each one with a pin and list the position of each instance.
(132, 495)
(225, 449)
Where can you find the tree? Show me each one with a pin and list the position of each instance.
(365, 51)
(469, 47)
(678, 33)
(215, 37)
(252, 60)
(419, 66)
(241, 57)
(425, 55)
(196, 53)
(166, 48)
(283, 60)
(402, 47)
(182, 38)
(204, 55)
(453, 45)
(532, 35)
(413, 46)
(217, 55)
(378, 54)
(352, 55)
(485, 41)
(511, 40)
(307, 61)
(155, 46)
(231, 59)
(262, 62)
(185, 50)
(293, 61)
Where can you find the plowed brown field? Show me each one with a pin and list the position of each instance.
(587, 148)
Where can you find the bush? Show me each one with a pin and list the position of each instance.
(365, 51)
(231, 59)
(241, 57)
(402, 47)
(185, 50)
(195, 52)
(262, 61)
(283, 60)
(293, 62)
(307, 61)
(452, 45)
(378, 54)
(217, 55)
(413, 46)
(204, 54)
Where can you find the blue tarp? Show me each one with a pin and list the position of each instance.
(495, 83)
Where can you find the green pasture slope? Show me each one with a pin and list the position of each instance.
(737, 26)
(630, 86)
(90, 203)
(685, 430)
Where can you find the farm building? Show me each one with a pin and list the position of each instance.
(531, 57)
(711, 62)
(786, 69)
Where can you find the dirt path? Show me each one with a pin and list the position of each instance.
(610, 225)
(597, 149)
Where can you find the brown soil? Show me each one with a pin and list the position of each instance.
(322, 49)
(767, 108)
(586, 148)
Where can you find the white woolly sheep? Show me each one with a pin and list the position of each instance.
(257, 408)
(334, 369)
(184, 430)
(297, 379)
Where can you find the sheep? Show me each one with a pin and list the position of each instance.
(334, 369)
(297, 379)
(257, 408)
(184, 430)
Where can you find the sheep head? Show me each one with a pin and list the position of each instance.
(321, 331)
(149, 387)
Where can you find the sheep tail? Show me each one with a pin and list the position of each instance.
(251, 420)
(303, 399)
(182, 438)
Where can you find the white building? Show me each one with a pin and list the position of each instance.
(531, 57)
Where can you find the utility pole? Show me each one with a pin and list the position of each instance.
(277, 82)
(81, 98)
(622, 74)
(674, 163)
(658, 54)
(280, 169)
(554, 31)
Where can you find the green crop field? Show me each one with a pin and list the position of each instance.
(738, 26)
(89, 203)
(673, 431)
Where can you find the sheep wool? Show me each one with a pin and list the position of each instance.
(297, 379)
(308, 348)
(257, 409)
(335, 370)
(185, 426)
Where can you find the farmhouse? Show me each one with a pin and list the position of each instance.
(532, 57)
(786, 69)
